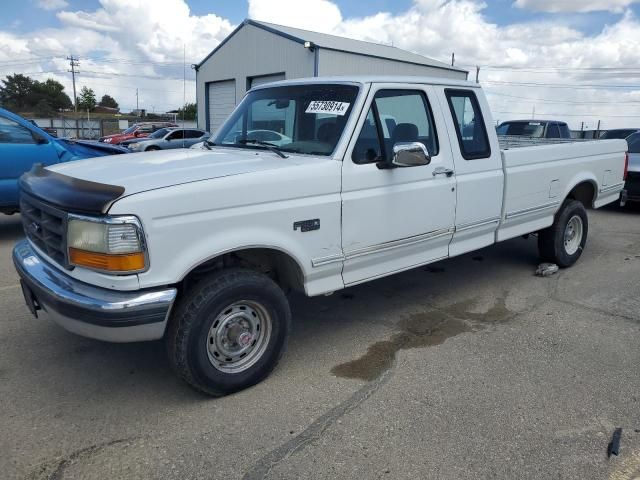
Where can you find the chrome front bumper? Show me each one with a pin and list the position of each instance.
(109, 315)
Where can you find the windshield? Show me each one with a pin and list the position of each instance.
(159, 133)
(524, 129)
(612, 134)
(298, 118)
(130, 130)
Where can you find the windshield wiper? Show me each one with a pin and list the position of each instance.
(269, 146)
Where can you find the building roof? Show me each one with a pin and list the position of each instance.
(334, 42)
(364, 79)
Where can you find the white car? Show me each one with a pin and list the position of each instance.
(201, 246)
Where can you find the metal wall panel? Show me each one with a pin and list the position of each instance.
(332, 62)
(255, 81)
(222, 100)
(251, 52)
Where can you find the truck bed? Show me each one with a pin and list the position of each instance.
(540, 175)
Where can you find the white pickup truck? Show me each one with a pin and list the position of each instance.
(369, 177)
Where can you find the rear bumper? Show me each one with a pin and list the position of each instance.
(109, 315)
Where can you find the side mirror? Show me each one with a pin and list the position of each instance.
(137, 133)
(410, 154)
(40, 140)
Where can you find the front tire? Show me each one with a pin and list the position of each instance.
(563, 242)
(229, 331)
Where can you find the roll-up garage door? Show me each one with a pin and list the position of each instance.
(262, 79)
(222, 101)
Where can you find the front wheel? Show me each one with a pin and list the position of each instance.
(563, 242)
(229, 332)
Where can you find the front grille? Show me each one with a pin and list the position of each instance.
(45, 226)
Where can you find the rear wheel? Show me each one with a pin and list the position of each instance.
(229, 332)
(563, 242)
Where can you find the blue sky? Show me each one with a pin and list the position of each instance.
(554, 54)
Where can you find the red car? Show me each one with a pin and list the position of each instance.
(137, 130)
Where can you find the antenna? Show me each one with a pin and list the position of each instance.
(184, 87)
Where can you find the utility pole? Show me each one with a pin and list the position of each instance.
(73, 61)
(533, 114)
(477, 74)
(137, 108)
(453, 58)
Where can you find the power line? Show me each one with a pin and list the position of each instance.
(597, 115)
(557, 85)
(629, 103)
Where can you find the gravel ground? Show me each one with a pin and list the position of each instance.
(468, 368)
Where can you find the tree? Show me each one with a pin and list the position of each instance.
(16, 92)
(189, 111)
(87, 99)
(108, 101)
(21, 93)
(52, 93)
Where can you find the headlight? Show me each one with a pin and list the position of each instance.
(134, 146)
(110, 244)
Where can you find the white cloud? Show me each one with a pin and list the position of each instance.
(129, 44)
(575, 5)
(309, 14)
(52, 4)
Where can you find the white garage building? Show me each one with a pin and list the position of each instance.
(259, 52)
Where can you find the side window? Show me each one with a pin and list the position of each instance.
(194, 134)
(553, 131)
(470, 129)
(634, 143)
(13, 132)
(367, 147)
(564, 131)
(177, 135)
(396, 116)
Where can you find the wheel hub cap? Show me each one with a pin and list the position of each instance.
(573, 235)
(238, 336)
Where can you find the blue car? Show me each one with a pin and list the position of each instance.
(23, 144)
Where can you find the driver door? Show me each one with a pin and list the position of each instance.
(394, 219)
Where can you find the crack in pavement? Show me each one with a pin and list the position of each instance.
(313, 432)
(59, 465)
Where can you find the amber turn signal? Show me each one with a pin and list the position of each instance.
(130, 262)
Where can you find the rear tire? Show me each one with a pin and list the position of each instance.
(563, 242)
(229, 331)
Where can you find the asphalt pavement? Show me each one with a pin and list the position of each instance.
(469, 368)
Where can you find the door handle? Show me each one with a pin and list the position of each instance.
(443, 171)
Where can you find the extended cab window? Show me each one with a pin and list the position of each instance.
(470, 129)
(395, 116)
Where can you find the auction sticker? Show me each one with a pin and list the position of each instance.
(327, 106)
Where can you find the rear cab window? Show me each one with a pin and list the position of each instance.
(469, 124)
(395, 116)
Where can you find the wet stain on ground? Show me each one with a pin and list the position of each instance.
(418, 331)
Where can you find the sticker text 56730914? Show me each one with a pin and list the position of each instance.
(327, 106)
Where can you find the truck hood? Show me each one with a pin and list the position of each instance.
(139, 172)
